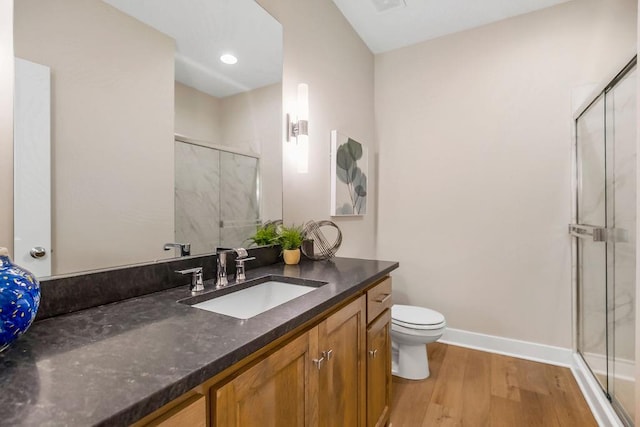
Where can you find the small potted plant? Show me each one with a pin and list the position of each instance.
(266, 234)
(290, 238)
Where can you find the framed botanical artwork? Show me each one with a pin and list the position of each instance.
(349, 171)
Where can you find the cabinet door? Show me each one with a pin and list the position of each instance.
(341, 342)
(379, 371)
(278, 391)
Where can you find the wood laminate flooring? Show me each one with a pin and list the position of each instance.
(475, 388)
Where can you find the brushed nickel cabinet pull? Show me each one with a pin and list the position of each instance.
(384, 298)
(318, 362)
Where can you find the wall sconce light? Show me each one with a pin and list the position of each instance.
(299, 129)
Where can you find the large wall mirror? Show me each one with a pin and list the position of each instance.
(153, 139)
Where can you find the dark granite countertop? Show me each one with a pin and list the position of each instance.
(114, 364)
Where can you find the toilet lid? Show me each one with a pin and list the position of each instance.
(411, 316)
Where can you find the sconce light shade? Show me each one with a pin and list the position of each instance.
(302, 154)
(303, 102)
(299, 129)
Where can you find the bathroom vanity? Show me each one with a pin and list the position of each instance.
(321, 357)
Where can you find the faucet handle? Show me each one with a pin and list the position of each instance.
(190, 270)
(197, 284)
(240, 277)
(240, 261)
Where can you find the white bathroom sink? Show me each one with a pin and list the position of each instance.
(255, 299)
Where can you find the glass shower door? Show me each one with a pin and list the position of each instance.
(239, 204)
(621, 136)
(217, 202)
(606, 244)
(197, 197)
(591, 247)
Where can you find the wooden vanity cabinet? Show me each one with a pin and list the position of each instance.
(341, 393)
(316, 380)
(333, 371)
(190, 412)
(379, 371)
(379, 353)
(277, 391)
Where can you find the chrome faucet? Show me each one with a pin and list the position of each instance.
(185, 248)
(197, 284)
(221, 270)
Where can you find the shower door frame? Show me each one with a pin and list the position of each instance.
(614, 413)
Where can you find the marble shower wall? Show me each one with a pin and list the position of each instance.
(216, 201)
(197, 191)
(622, 105)
(239, 208)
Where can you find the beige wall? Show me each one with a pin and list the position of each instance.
(197, 114)
(475, 132)
(6, 124)
(322, 50)
(112, 130)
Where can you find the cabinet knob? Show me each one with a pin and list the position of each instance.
(318, 362)
(373, 353)
(327, 354)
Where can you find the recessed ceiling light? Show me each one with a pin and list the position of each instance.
(227, 58)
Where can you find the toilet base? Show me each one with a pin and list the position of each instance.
(410, 361)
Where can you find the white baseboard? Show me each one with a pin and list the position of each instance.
(598, 403)
(509, 347)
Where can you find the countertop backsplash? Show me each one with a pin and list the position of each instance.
(69, 293)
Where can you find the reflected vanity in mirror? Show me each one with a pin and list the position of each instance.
(153, 138)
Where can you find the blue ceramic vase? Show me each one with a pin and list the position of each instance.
(19, 300)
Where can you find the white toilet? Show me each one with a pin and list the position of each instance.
(412, 328)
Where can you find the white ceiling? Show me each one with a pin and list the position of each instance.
(421, 20)
(204, 30)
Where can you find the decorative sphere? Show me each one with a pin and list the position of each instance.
(19, 300)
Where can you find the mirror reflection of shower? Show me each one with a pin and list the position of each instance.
(216, 196)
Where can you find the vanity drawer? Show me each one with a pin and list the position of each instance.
(378, 299)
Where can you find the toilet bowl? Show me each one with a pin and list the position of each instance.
(412, 328)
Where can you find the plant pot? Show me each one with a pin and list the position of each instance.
(291, 256)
